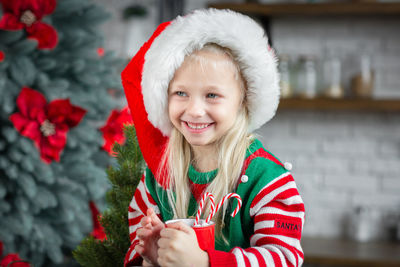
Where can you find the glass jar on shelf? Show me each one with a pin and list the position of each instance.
(362, 83)
(306, 78)
(332, 75)
(285, 76)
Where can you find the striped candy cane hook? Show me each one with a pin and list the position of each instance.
(225, 198)
(201, 205)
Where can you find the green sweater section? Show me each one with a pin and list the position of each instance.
(239, 229)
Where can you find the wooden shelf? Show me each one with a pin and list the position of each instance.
(384, 105)
(312, 9)
(333, 252)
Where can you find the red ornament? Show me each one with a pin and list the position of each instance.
(100, 51)
(27, 14)
(13, 260)
(2, 56)
(113, 129)
(98, 230)
(46, 124)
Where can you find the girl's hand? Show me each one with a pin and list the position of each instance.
(148, 236)
(178, 246)
(147, 264)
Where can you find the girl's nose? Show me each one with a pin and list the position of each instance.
(196, 108)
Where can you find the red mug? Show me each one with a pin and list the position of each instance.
(205, 232)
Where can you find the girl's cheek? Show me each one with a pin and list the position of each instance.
(172, 106)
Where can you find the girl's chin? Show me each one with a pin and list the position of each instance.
(198, 142)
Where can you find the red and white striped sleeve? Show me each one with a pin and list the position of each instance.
(141, 201)
(278, 214)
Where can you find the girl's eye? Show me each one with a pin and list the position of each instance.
(180, 93)
(212, 95)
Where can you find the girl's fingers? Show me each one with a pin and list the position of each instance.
(149, 211)
(148, 226)
(166, 233)
(139, 249)
(162, 242)
(181, 227)
(143, 233)
(170, 233)
(160, 259)
(147, 263)
(166, 243)
(145, 221)
(162, 253)
(154, 218)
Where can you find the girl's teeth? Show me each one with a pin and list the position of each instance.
(199, 126)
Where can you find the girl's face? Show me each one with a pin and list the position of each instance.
(204, 98)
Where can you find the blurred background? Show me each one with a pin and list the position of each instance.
(338, 122)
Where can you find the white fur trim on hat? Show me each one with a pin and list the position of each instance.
(238, 32)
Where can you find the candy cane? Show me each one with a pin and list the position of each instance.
(201, 204)
(225, 198)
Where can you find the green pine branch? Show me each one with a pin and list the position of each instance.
(124, 179)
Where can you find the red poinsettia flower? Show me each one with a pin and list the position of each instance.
(100, 51)
(27, 14)
(46, 124)
(98, 230)
(113, 130)
(13, 260)
(2, 56)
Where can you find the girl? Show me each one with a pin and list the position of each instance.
(196, 90)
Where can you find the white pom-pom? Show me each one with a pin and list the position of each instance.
(288, 166)
(244, 178)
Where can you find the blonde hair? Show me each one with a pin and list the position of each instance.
(231, 152)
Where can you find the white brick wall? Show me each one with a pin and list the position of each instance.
(340, 159)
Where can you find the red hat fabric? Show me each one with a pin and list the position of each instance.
(151, 140)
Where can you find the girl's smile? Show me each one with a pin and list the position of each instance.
(197, 127)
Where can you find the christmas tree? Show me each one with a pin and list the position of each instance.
(55, 84)
(124, 179)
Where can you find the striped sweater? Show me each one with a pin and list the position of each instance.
(265, 232)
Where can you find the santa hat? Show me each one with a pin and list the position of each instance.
(147, 76)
